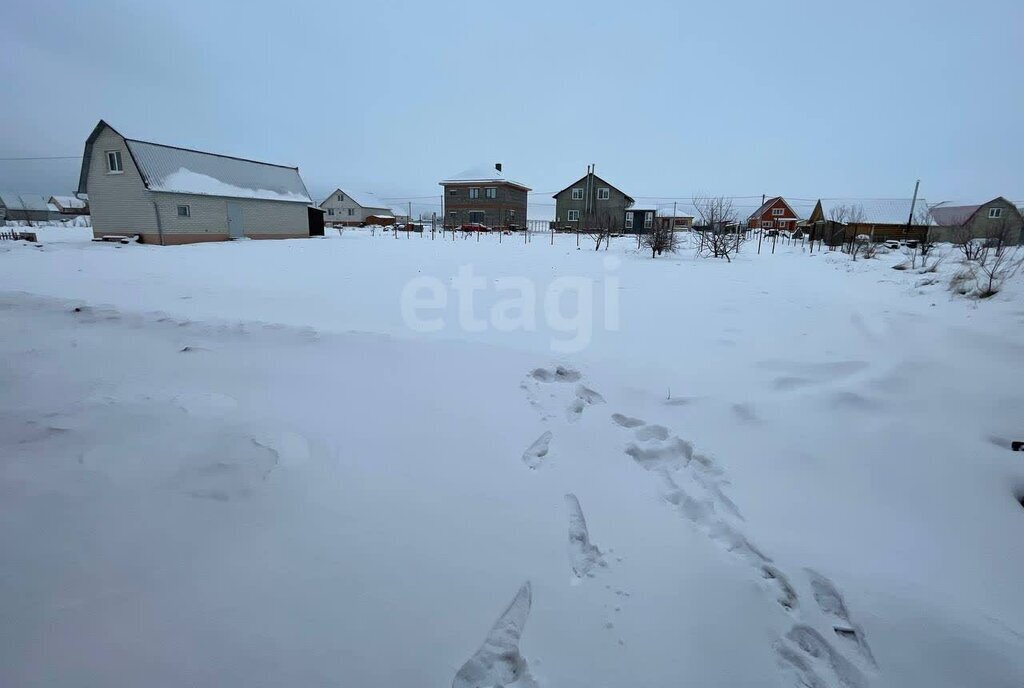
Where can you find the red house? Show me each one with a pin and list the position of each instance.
(774, 213)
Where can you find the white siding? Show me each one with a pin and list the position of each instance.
(341, 208)
(209, 215)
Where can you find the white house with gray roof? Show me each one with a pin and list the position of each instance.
(169, 195)
(354, 208)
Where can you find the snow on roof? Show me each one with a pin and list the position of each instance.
(882, 211)
(365, 199)
(668, 212)
(482, 173)
(16, 201)
(769, 203)
(181, 170)
(68, 201)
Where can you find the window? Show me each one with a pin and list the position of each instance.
(648, 220)
(341, 197)
(452, 215)
(511, 214)
(477, 217)
(453, 192)
(474, 192)
(114, 162)
(777, 211)
(330, 211)
(604, 194)
(573, 216)
(491, 192)
(629, 219)
(577, 194)
(995, 213)
(765, 224)
(351, 211)
(184, 211)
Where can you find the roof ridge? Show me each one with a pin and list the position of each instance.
(218, 155)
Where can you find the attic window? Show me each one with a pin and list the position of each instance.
(577, 194)
(184, 211)
(114, 165)
(777, 211)
(604, 194)
(995, 213)
(341, 197)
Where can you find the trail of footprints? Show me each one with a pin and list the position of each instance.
(694, 486)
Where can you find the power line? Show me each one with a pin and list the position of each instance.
(47, 157)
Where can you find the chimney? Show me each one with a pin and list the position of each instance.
(497, 166)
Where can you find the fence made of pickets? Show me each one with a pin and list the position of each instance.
(14, 234)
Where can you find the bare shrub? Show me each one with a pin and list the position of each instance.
(716, 215)
(660, 239)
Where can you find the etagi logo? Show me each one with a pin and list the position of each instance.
(565, 304)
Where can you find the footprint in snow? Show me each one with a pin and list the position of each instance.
(583, 555)
(538, 451)
(498, 661)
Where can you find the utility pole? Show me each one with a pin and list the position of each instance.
(913, 202)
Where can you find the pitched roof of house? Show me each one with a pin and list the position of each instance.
(364, 199)
(678, 212)
(952, 215)
(768, 204)
(629, 199)
(68, 201)
(172, 169)
(881, 211)
(36, 202)
(482, 173)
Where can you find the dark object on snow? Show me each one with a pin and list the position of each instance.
(1017, 446)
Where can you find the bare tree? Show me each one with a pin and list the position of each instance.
(661, 237)
(598, 224)
(995, 266)
(716, 215)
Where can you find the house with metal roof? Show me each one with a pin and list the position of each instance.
(19, 207)
(484, 196)
(354, 208)
(996, 219)
(843, 219)
(169, 195)
(775, 213)
(69, 205)
(592, 200)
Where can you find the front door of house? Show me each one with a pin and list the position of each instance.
(236, 229)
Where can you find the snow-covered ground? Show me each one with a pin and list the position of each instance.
(354, 462)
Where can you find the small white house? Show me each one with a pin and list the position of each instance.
(69, 205)
(169, 195)
(354, 208)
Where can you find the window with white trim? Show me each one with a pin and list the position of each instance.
(114, 165)
(330, 211)
(341, 197)
(474, 192)
(995, 213)
(777, 211)
(648, 220)
(604, 194)
(573, 216)
(629, 219)
(184, 211)
(351, 211)
(766, 224)
(491, 192)
(577, 194)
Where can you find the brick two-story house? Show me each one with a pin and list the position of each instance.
(486, 197)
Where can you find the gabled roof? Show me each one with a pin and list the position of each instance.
(880, 211)
(678, 212)
(768, 204)
(482, 174)
(953, 215)
(171, 169)
(67, 202)
(581, 180)
(34, 202)
(364, 199)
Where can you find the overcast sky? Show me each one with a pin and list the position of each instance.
(802, 99)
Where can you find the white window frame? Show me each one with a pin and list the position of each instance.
(777, 212)
(341, 197)
(648, 219)
(629, 219)
(577, 194)
(186, 208)
(604, 193)
(114, 156)
(491, 192)
(330, 211)
(351, 212)
(474, 192)
(766, 224)
(572, 216)
(995, 213)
